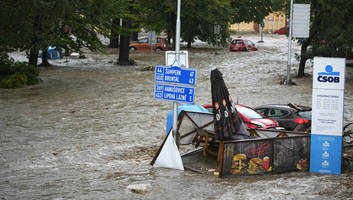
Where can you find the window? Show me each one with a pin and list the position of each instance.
(236, 41)
(277, 113)
(248, 42)
(249, 113)
(143, 41)
(305, 114)
(262, 110)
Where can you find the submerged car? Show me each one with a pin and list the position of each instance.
(282, 31)
(143, 44)
(242, 45)
(291, 117)
(251, 117)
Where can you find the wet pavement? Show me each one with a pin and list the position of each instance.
(90, 129)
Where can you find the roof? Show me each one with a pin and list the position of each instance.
(286, 106)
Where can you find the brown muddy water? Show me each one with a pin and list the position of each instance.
(90, 129)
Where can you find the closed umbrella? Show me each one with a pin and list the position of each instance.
(228, 124)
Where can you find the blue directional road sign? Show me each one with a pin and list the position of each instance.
(174, 93)
(175, 75)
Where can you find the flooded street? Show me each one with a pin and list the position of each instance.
(90, 129)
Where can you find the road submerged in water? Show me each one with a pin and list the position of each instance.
(90, 129)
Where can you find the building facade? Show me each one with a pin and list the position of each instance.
(272, 22)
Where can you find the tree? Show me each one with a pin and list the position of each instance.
(124, 44)
(248, 11)
(33, 25)
(330, 31)
(126, 34)
(198, 17)
(156, 15)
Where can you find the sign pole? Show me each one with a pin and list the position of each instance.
(289, 44)
(262, 30)
(151, 42)
(177, 51)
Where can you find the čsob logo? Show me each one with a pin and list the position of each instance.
(329, 75)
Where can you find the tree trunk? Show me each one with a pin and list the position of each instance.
(135, 36)
(301, 67)
(124, 45)
(114, 41)
(45, 59)
(303, 57)
(35, 41)
(33, 57)
(189, 44)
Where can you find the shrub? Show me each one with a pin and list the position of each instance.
(16, 74)
(14, 81)
(31, 72)
(5, 65)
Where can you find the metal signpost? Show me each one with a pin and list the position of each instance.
(262, 25)
(289, 44)
(177, 58)
(160, 87)
(151, 42)
(170, 86)
(217, 31)
(298, 27)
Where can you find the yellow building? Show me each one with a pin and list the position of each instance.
(272, 22)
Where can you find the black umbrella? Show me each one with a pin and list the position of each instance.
(228, 124)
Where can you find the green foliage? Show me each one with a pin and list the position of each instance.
(330, 31)
(16, 74)
(29, 71)
(198, 17)
(248, 11)
(33, 25)
(13, 81)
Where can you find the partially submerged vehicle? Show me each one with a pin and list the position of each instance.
(292, 117)
(251, 117)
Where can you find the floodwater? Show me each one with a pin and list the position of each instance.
(90, 129)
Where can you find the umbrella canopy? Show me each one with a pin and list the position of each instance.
(228, 125)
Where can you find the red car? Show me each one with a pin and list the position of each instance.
(242, 45)
(251, 117)
(142, 44)
(282, 31)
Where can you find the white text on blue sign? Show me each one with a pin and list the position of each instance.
(175, 75)
(174, 93)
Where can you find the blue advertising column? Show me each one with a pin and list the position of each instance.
(327, 115)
